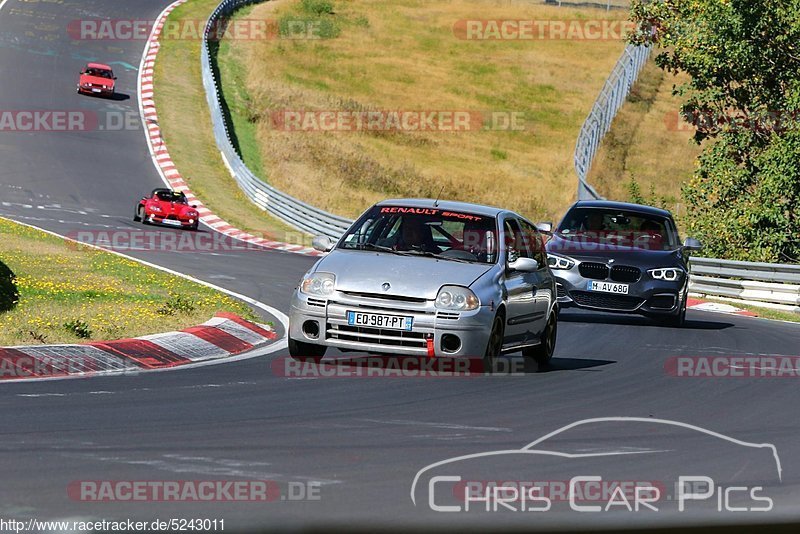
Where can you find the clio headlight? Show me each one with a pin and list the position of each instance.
(456, 298)
(318, 284)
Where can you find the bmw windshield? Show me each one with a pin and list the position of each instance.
(444, 234)
(619, 227)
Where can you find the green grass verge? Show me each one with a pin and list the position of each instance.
(69, 293)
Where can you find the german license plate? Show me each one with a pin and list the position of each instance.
(171, 222)
(379, 320)
(608, 287)
(96, 91)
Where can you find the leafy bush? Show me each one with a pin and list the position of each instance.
(653, 199)
(79, 328)
(317, 7)
(747, 210)
(744, 73)
(9, 294)
(176, 304)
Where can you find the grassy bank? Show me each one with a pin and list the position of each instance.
(69, 294)
(390, 55)
(186, 128)
(647, 144)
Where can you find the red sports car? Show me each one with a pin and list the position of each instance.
(97, 79)
(167, 207)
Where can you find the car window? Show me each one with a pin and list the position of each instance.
(535, 242)
(619, 227)
(167, 196)
(516, 241)
(459, 235)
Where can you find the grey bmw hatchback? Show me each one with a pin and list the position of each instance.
(429, 278)
(620, 257)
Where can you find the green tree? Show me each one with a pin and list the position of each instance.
(743, 96)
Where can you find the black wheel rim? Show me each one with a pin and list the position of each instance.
(550, 339)
(494, 341)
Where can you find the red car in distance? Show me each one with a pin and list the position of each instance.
(97, 79)
(167, 207)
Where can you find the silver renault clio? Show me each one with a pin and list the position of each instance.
(429, 278)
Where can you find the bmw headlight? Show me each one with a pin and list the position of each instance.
(559, 262)
(456, 298)
(318, 284)
(670, 274)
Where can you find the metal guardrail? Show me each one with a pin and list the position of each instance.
(279, 204)
(772, 285)
(607, 4)
(605, 108)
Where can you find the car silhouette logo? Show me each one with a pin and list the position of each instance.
(386, 286)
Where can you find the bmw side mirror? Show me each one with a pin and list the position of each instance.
(545, 227)
(322, 243)
(692, 244)
(524, 265)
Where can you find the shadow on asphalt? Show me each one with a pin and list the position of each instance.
(413, 366)
(639, 320)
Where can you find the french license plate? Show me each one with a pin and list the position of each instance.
(608, 287)
(378, 320)
(171, 222)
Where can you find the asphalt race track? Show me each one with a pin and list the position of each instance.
(360, 441)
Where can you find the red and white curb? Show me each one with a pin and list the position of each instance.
(704, 305)
(162, 160)
(224, 336)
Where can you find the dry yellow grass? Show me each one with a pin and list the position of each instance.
(403, 55)
(647, 143)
